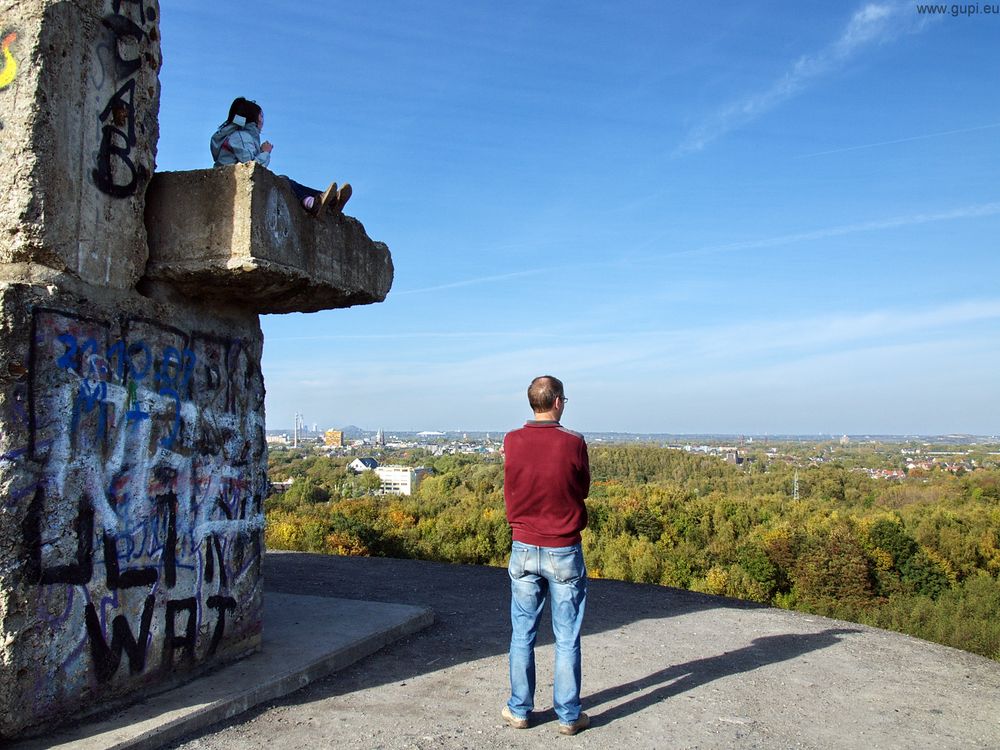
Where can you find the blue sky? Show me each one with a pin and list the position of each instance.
(767, 217)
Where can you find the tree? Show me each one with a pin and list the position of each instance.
(836, 576)
(370, 482)
(306, 491)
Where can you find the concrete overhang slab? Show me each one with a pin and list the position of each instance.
(238, 235)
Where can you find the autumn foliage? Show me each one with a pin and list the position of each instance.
(920, 555)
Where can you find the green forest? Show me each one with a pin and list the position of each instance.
(919, 555)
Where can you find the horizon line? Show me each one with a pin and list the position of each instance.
(869, 434)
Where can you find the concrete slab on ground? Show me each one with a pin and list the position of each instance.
(305, 638)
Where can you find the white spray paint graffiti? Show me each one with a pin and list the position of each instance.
(147, 503)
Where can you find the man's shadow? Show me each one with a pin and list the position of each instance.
(679, 678)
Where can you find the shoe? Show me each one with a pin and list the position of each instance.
(328, 196)
(577, 726)
(513, 720)
(343, 195)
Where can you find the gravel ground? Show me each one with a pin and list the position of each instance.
(662, 668)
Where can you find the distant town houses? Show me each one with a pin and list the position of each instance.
(955, 467)
(959, 467)
(729, 453)
(889, 460)
(915, 459)
(464, 448)
(885, 473)
(345, 442)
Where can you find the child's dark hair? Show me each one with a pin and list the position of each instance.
(249, 110)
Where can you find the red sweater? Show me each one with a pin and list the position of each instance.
(546, 477)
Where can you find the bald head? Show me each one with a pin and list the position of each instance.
(543, 392)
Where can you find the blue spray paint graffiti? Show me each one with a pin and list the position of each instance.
(151, 446)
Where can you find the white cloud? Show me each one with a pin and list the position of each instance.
(873, 24)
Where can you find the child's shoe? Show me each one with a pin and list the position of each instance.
(343, 195)
(328, 197)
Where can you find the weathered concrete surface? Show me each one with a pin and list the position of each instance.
(238, 234)
(132, 475)
(305, 638)
(662, 668)
(132, 453)
(79, 96)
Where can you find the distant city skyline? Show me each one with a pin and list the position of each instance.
(748, 437)
(755, 218)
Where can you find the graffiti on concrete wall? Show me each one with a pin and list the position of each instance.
(128, 25)
(142, 529)
(9, 70)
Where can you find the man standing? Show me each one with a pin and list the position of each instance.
(546, 479)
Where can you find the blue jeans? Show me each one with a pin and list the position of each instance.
(301, 191)
(537, 573)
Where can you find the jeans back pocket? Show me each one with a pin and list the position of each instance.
(567, 564)
(518, 562)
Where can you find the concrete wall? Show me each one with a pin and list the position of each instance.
(79, 97)
(132, 450)
(132, 475)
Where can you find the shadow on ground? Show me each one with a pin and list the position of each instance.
(676, 679)
(471, 604)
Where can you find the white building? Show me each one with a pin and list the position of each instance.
(361, 465)
(400, 480)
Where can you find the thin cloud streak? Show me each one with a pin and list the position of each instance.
(703, 351)
(800, 337)
(513, 275)
(878, 371)
(694, 350)
(873, 24)
(900, 140)
(403, 335)
(974, 211)
(879, 348)
(477, 280)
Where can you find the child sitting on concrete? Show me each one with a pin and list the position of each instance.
(238, 141)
